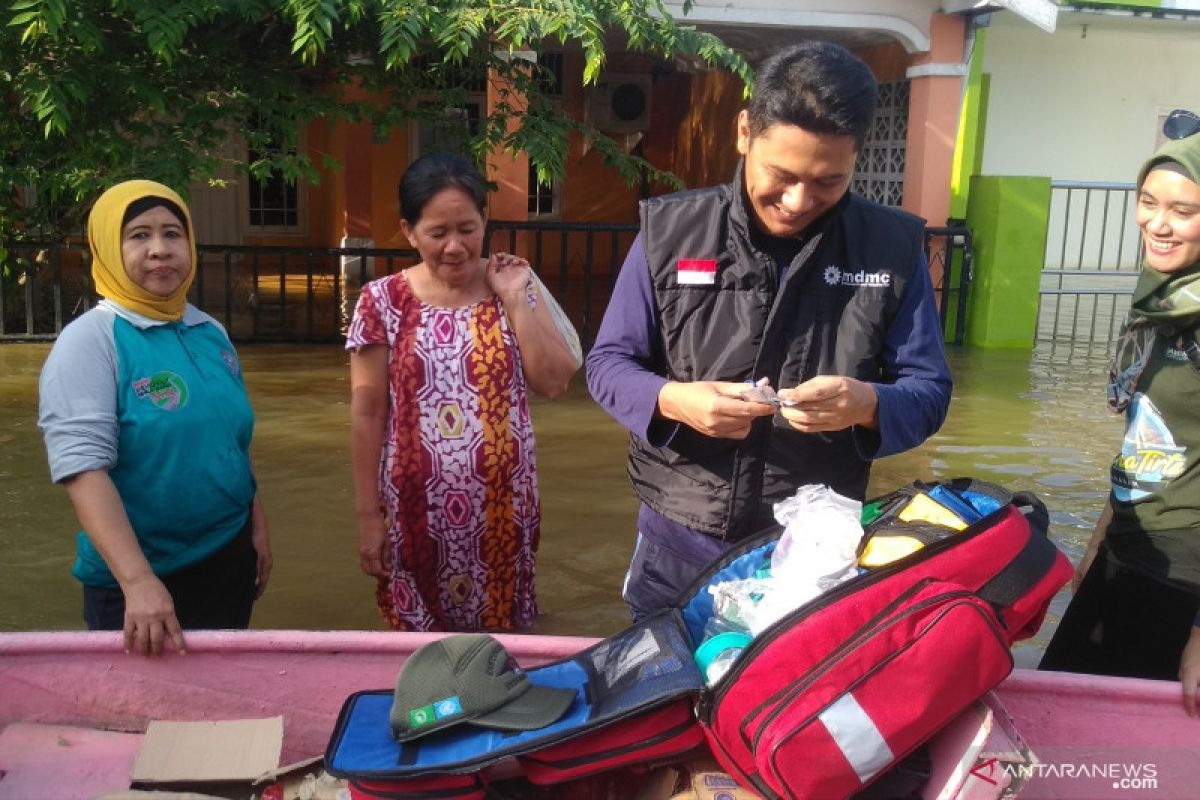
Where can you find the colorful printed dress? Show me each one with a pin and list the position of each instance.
(457, 476)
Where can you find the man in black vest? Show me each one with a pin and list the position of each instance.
(782, 277)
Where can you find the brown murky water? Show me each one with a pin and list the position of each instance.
(1029, 421)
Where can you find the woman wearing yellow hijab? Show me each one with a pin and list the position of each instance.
(148, 426)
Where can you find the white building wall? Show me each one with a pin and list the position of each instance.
(1085, 107)
(906, 21)
(1086, 104)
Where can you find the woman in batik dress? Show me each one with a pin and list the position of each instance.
(442, 447)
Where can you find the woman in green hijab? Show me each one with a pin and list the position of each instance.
(1137, 590)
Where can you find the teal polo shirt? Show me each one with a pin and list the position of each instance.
(163, 407)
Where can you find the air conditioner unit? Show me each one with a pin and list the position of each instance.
(620, 103)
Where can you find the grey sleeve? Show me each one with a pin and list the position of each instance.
(77, 398)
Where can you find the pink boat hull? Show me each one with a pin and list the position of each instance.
(1088, 734)
(1099, 737)
(84, 678)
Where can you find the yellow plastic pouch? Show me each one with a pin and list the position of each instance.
(883, 549)
(923, 508)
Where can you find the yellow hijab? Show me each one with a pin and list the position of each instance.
(108, 267)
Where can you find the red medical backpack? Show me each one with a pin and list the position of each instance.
(819, 705)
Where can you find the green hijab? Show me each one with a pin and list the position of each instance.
(1163, 304)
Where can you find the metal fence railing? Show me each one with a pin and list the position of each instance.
(1091, 262)
(950, 265)
(307, 294)
(257, 293)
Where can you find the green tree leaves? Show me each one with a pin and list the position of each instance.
(38, 18)
(97, 91)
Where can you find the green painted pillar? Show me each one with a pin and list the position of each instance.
(972, 122)
(1008, 217)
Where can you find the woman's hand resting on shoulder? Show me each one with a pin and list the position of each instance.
(508, 276)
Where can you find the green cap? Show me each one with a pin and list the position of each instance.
(470, 678)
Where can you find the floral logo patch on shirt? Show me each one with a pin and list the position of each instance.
(231, 362)
(165, 390)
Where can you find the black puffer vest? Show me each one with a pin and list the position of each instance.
(829, 317)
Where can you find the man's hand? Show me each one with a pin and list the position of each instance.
(714, 408)
(830, 403)
(1189, 671)
(150, 617)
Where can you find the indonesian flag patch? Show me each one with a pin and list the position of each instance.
(696, 272)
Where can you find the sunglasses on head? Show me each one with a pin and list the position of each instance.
(1181, 124)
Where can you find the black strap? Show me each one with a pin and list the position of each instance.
(408, 754)
(1034, 511)
(1033, 563)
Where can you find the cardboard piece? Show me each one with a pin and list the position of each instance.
(218, 757)
(148, 794)
(660, 783)
(308, 765)
(704, 780)
(303, 780)
(718, 786)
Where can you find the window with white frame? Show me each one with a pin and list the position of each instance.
(273, 202)
(545, 199)
(449, 130)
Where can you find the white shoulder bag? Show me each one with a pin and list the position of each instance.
(561, 320)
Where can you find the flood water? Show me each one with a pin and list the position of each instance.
(1027, 421)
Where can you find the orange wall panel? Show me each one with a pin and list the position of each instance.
(389, 161)
(888, 62)
(706, 137)
(933, 113)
